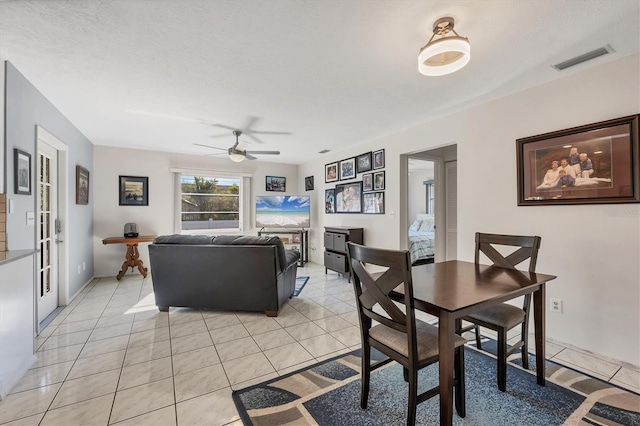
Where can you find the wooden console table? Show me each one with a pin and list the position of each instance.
(133, 255)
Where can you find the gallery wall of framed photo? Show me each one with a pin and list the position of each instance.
(350, 195)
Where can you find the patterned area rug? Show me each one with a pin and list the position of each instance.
(328, 393)
(300, 283)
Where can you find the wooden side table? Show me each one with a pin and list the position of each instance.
(132, 259)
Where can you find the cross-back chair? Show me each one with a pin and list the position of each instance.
(503, 317)
(399, 335)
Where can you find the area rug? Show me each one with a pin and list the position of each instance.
(300, 283)
(328, 393)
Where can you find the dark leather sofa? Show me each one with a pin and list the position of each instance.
(229, 272)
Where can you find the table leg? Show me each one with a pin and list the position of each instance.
(127, 263)
(539, 325)
(446, 330)
(135, 261)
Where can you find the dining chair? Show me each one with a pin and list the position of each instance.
(398, 335)
(503, 317)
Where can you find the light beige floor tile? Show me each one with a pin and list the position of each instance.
(322, 345)
(273, 339)
(222, 321)
(43, 376)
(163, 417)
(187, 328)
(150, 313)
(304, 331)
(287, 355)
(247, 368)
(27, 421)
(27, 403)
(142, 399)
(110, 331)
(226, 334)
(332, 323)
(97, 364)
(81, 316)
(627, 378)
(215, 408)
(150, 324)
(69, 339)
(340, 308)
(190, 343)
(348, 336)
(290, 318)
(182, 315)
(211, 313)
(334, 354)
(150, 336)
(193, 360)
(148, 352)
(92, 412)
(198, 382)
(351, 317)
(74, 327)
(262, 325)
(317, 313)
(586, 362)
(297, 367)
(250, 316)
(84, 388)
(58, 355)
(112, 344)
(236, 348)
(114, 320)
(254, 381)
(145, 372)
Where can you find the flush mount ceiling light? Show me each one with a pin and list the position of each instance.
(446, 54)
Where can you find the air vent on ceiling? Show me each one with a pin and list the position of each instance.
(583, 58)
(324, 151)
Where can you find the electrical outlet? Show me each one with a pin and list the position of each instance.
(556, 306)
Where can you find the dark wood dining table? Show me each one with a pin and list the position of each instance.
(453, 289)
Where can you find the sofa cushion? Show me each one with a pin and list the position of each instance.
(194, 240)
(253, 240)
(292, 256)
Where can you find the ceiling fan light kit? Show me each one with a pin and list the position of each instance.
(445, 55)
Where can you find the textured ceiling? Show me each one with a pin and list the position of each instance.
(329, 73)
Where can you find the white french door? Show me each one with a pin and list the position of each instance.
(47, 237)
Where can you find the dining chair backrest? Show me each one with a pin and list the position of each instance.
(528, 249)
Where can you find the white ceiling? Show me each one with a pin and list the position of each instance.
(330, 73)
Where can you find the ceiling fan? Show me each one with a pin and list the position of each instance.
(238, 155)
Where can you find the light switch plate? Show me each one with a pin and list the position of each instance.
(31, 218)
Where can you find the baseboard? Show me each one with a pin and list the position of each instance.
(7, 383)
(80, 290)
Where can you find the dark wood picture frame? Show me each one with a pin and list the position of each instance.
(592, 164)
(21, 172)
(378, 181)
(367, 182)
(329, 201)
(331, 172)
(348, 168)
(308, 183)
(82, 185)
(348, 197)
(276, 183)
(378, 159)
(363, 162)
(373, 202)
(134, 190)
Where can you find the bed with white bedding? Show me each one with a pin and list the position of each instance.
(422, 239)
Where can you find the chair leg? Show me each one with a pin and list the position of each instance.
(405, 374)
(525, 347)
(502, 359)
(413, 397)
(478, 343)
(459, 380)
(365, 374)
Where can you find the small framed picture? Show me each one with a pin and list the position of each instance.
(378, 159)
(295, 238)
(373, 203)
(348, 168)
(378, 181)
(276, 183)
(82, 185)
(349, 197)
(308, 183)
(134, 190)
(22, 172)
(367, 182)
(329, 201)
(331, 172)
(363, 163)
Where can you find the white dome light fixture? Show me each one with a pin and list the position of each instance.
(446, 54)
(236, 155)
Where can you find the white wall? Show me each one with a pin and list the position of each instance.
(593, 249)
(158, 217)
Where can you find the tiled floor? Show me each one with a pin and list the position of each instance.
(111, 357)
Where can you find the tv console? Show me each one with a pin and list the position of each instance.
(302, 245)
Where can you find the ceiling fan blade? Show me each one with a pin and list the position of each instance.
(209, 146)
(269, 133)
(251, 121)
(218, 153)
(264, 152)
(222, 126)
(252, 136)
(249, 157)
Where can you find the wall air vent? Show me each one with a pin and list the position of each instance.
(583, 58)
(324, 151)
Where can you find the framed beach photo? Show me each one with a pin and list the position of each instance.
(276, 183)
(82, 185)
(373, 203)
(591, 164)
(378, 181)
(349, 197)
(329, 201)
(22, 172)
(378, 159)
(134, 190)
(331, 172)
(363, 163)
(348, 168)
(367, 182)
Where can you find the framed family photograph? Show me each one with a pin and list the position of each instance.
(373, 203)
(22, 172)
(331, 172)
(308, 183)
(134, 190)
(363, 163)
(367, 182)
(348, 197)
(348, 168)
(378, 181)
(378, 159)
(591, 164)
(82, 185)
(329, 201)
(276, 183)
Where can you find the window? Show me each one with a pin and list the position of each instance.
(430, 188)
(210, 203)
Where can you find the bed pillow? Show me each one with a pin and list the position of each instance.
(415, 225)
(426, 226)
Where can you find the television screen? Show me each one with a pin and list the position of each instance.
(284, 211)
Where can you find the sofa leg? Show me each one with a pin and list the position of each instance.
(271, 313)
(163, 308)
